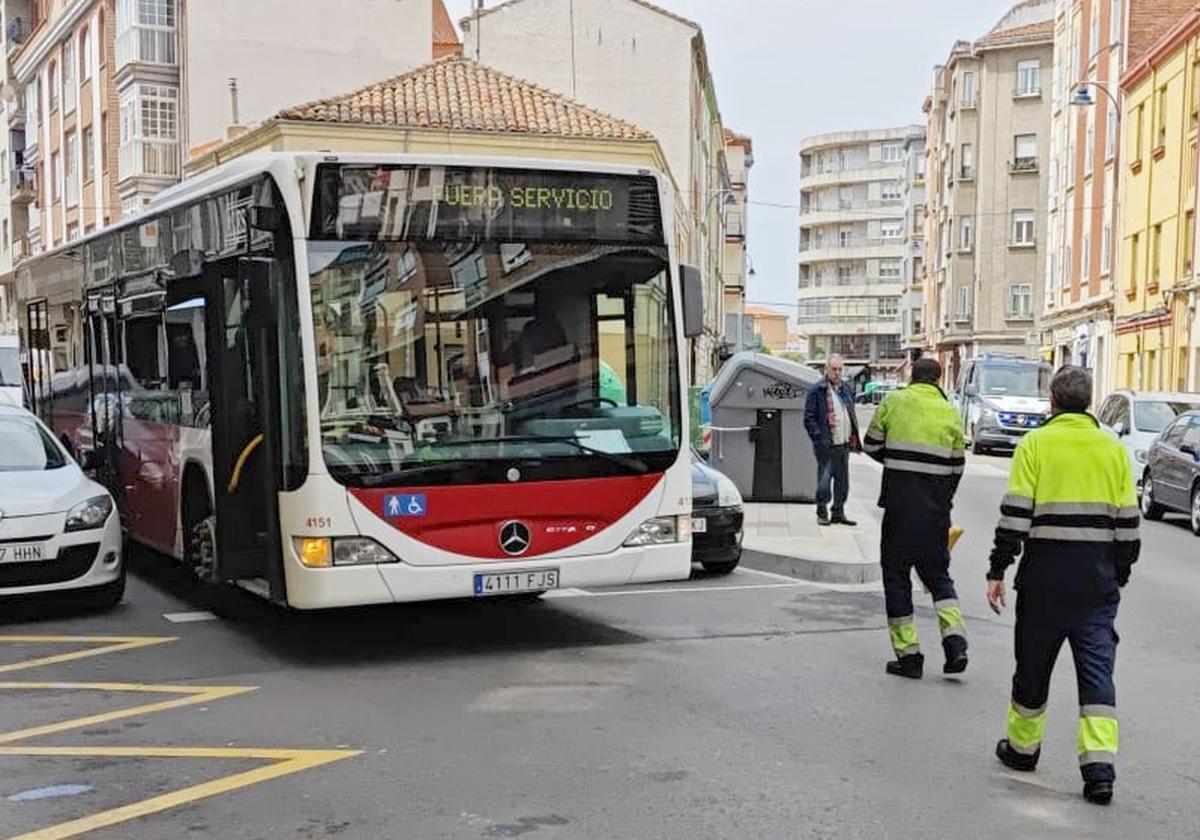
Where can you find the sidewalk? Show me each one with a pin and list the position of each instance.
(786, 539)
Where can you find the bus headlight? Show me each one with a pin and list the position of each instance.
(662, 530)
(360, 551)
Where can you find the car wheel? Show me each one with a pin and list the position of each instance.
(1151, 509)
(1196, 510)
(977, 448)
(724, 568)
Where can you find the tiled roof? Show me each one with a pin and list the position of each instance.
(459, 94)
(659, 9)
(1028, 32)
(755, 311)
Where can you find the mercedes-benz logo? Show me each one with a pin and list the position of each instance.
(514, 538)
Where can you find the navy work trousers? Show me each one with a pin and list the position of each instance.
(833, 477)
(934, 573)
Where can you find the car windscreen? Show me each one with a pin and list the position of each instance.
(1015, 380)
(1155, 415)
(25, 446)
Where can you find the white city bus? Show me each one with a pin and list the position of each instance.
(349, 379)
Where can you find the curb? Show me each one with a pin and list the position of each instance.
(817, 571)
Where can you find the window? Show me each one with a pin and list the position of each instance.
(966, 236)
(1139, 127)
(892, 152)
(967, 161)
(55, 86)
(1029, 78)
(1156, 254)
(70, 164)
(968, 90)
(845, 238)
(844, 274)
(1189, 240)
(56, 174)
(1089, 149)
(1106, 249)
(1094, 31)
(1025, 157)
(889, 307)
(85, 54)
(1134, 260)
(962, 312)
(149, 131)
(1160, 117)
(146, 31)
(890, 269)
(89, 155)
(890, 191)
(1022, 227)
(1110, 132)
(1195, 92)
(70, 85)
(1085, 257)
(1114, 20)
(1020, 301)
(891, 229)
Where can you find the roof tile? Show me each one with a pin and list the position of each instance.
(459, 94)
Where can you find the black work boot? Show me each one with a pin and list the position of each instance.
(1014, 760)
(955, 664)
(1098, 793)
(911, 666)
(822, 516)
(839, 518)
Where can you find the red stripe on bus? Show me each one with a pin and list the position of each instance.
(467, 519)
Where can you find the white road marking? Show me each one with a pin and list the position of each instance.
(189, 617)
(569, 592)
(672, 590)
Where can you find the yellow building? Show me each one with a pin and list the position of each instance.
(771, 326)
(450, 106)
(1158, 201)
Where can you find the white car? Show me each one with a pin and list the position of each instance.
(59, 530)
(1136, 418)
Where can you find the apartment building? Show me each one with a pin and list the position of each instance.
(735, 263)
(102, 98)
(1157, 293)
(852, 243)
(988, 123)
(912, 300)
(1093, 42)
(646, 65)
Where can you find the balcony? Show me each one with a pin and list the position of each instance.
(149, 159)
(1033, 92)
(23, 185)
(21, 249)
(1023, 165)
(147, 45)
(18, 32)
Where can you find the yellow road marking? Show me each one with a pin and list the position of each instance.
(192, 696)
(286, 763)
(108, 644)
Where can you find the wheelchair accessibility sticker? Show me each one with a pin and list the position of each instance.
(402, 505)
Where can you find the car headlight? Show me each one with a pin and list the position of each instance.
(1141, 455)
(727, 493)
(661, 530)
(987, 414)
(322, 552)
(89, 514)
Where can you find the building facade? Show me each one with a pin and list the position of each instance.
(646, 65)
(912, 300)
(988, 123)
(770, 328)
(1157, 291)
(852, 243)
(735, 262)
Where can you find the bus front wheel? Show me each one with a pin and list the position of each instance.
(199, 531)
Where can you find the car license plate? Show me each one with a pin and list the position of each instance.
(699, 525)
(21, 553)
(507, 583)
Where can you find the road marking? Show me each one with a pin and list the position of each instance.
(52, 792)
(189, 617)
(674, 590)
(107, 644)
(284, 762)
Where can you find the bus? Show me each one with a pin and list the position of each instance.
(346, 379)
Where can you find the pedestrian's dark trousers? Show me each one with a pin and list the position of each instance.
(833, 477)
(1043, 623)
(934, 572)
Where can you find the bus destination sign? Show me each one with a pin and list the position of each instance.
(410, 202)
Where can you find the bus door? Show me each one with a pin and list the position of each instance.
(245, 421)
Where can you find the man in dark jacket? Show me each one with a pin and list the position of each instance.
(831, 423)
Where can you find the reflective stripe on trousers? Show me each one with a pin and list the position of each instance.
(903, 631)
(950, 618)
(1025, 729)
(1099, 735)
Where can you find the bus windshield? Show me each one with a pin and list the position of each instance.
(1015, 380)
(457, 362)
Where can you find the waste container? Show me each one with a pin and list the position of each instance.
(758, 436)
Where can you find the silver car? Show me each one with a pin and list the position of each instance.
(1171, 480)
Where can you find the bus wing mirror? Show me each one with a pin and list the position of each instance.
(692, 289)
(260, 282)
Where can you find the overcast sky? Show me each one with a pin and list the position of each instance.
(787, 69)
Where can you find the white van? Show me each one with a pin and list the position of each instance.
(1001, 398)
(12, 390)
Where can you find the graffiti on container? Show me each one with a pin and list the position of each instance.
(783, 391)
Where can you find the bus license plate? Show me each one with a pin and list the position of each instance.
(506, 583)
(21, 553)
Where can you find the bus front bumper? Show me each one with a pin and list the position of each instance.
(314, 589)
